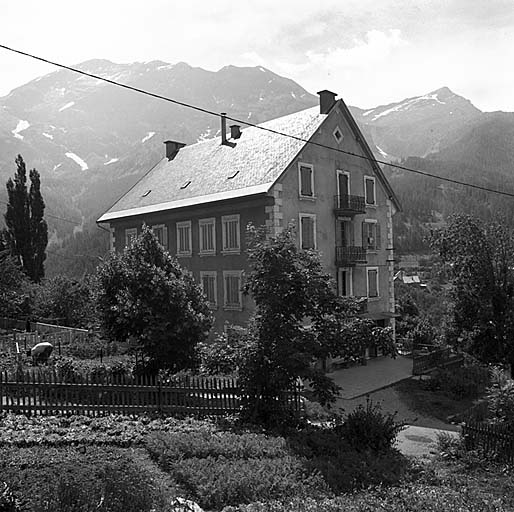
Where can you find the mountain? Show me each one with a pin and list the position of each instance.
(417, 126)
(92, 140)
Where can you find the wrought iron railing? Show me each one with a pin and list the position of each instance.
(349, 204)
(350, 255)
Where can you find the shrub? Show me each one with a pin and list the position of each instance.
(500, 398)
(172, 446)
(214, 483)
(459, 383)
(65, 479)
(7, 499)
(368, 428)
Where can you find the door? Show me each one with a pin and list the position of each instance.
(343, 188)
(345, 233)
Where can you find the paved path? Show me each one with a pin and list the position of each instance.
(377, 374)
(420, 442)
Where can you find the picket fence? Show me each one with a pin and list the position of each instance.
(43, 393)
(493, 439)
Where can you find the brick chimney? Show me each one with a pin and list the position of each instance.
(235, 131)
(327, 100)
(172, 148)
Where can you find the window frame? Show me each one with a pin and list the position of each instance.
(224, 220)
(368, 270)
(130, 233)
(239, 275)
(205, 222)
(338, 172)
(312, 216)
(214, 274)
(337, 129)
(179, 225)
(340, 271)
(164, 234)
(311, 167)
(375, 237)
(373, 179)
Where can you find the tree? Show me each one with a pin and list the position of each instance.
(27, 231)
(299, 319)
(12, 280)
(143, 293)
(481, 258)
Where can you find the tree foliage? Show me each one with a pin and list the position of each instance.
(299, 319)
(12, 280)
(481, 257)
(27, 231)
(143, 293)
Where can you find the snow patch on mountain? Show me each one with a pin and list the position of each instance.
(368, 112)
(148, 136)
(83, 165)
(22, 125)
(406, 105)
(48, 136)
(381, 151)
(68, 105)
(111, 161)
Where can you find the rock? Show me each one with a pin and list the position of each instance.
(180, 504)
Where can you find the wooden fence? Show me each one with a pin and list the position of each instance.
(43, 393)
(493, 439)
(423, 363)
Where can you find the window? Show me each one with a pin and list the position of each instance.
(372, 282)
(307, 231)
(344, 281)
(232, 289)
(208, 282)
(130, 234)
(230, 231)
(371, 236)
(184, 238)
(369, 190)
(306, 178)
(338, 134)
(207, 236)
(161, 233)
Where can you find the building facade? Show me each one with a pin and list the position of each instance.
(200, 198)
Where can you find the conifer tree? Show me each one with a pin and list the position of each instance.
(27, 231)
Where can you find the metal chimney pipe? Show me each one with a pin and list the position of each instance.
(223, 128)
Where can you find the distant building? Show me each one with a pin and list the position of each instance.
(199, 199)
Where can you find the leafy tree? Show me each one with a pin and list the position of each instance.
(481, 257)
(299, 319)
(27, 231)
(12, 280)
(68, 300)
(143, 293)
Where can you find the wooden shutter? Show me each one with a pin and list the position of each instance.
(378, 236)
(365, 235)
(165, 237)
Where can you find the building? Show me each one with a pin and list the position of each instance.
(199, 199)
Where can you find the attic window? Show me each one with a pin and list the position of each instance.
(338, 136)
(186, 184)
(146, 193)
(233, 175)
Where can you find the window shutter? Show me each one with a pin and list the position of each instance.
(165, 237)
(365, 235)
(378, 236)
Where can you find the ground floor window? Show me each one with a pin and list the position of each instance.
(232, 289)
(372, 282)
(344, 281)
(208, 282)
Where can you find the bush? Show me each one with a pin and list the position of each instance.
(368, 428)
(459, 383)
(66, 479)
(7, 499)
(214, 483)
(172, 446)
(500, 398)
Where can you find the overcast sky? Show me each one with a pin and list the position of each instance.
(368, 51)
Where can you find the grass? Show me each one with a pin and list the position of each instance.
(432, 403)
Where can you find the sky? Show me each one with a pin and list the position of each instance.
(370, 52)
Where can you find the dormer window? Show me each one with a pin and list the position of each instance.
(306, 180)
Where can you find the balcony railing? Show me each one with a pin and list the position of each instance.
(349, 205)
(350, 255)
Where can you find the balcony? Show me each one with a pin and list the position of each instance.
(351, 255)
(349, 205)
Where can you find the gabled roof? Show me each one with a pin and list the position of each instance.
(209, 171)
(216, 171)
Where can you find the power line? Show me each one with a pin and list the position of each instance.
(210, 112)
